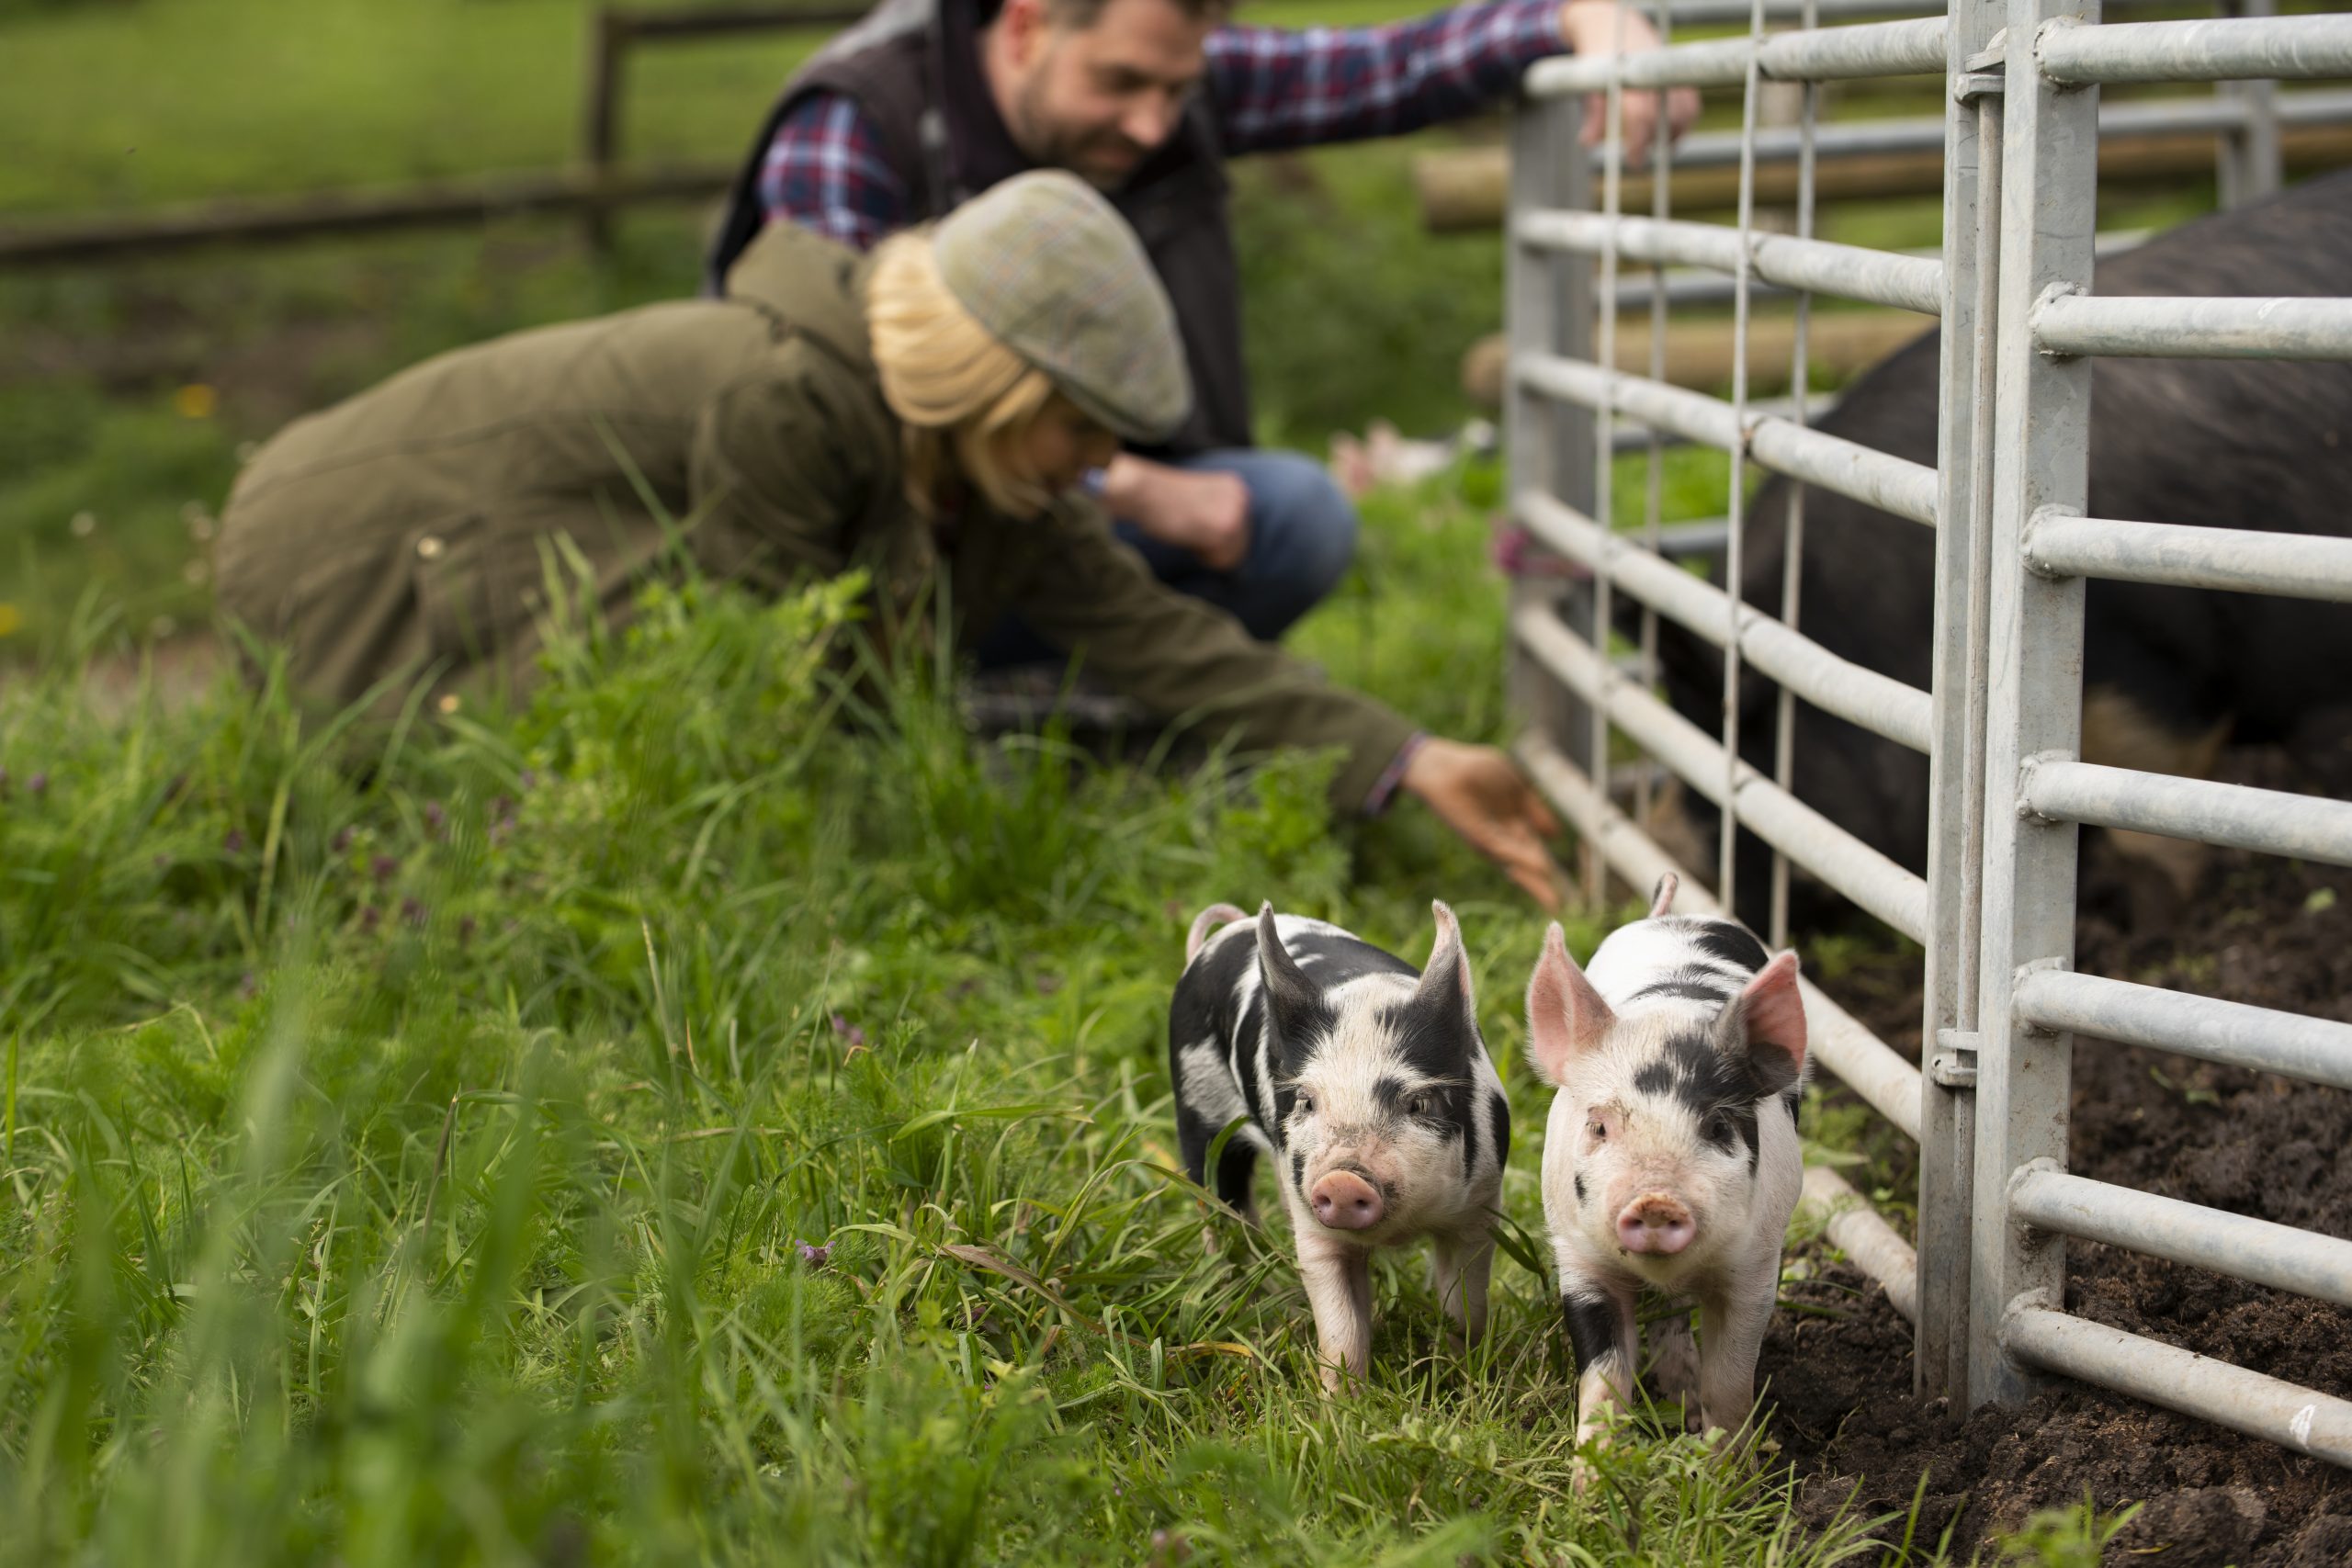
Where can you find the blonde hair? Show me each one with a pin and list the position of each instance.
(966, 401)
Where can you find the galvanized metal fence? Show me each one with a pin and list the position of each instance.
(2019, 131)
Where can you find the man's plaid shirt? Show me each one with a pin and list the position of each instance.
(1267, 88)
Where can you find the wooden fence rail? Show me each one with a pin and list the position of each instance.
(594, 187)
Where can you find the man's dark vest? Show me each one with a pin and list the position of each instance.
(913, 66)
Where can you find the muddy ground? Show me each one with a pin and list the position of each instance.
(2267, 931)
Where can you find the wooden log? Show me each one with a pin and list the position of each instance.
(1698, 354)
(1462, 189)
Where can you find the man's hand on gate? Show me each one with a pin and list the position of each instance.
(1205, 512)
(1609, 27)
(1480, 794)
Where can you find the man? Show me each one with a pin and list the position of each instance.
(928, 102)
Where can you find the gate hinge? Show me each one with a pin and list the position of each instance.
(1984, 73)
(1952, 1064)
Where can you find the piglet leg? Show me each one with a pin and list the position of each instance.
(1338, 1288)
(1601, 1330)
(1464, 1261)
(1731, 1335)
(1674, 1365)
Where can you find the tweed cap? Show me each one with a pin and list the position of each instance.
(1049, 268)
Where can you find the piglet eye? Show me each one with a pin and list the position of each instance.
(1306, 1105)
(1598, 1129)
(1418, 1106)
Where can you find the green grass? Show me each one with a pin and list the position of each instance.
(413, 1139)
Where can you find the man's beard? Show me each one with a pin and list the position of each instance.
(1103, 160)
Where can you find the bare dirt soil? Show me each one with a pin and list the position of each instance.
(2271, 932)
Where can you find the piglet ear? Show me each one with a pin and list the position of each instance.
(1565, 1015)
(1662, 898)
(1290, 995)
(1765, 1023)
(1445, 991)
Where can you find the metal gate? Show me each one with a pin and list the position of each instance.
(2020, 129)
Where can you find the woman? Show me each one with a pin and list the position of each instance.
(925, 413)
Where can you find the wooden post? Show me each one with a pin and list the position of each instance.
(609, 35)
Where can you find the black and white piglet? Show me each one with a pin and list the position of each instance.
(1671, 1159)
(1367, 1081)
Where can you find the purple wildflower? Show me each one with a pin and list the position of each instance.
(412, 912)
(848, 1031)
(249, 986)
(343, 840)
(435, 817)
(382, 867)
(234, 841)
(814, 1256)
(37, 785)
(528, 779)
(370, 919)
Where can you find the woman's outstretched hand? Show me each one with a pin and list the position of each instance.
(1481, 794)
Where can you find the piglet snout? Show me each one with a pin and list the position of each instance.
(1656, 1221)
(1346, 1202)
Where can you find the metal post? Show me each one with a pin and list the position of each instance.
(2249, 164)
(1963, 502)
(1736, 508)
(1548, 306)
(2042, 427)
(1784, 714)
(1653, 473)
(1604, 465)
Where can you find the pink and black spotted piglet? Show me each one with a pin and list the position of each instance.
(1671, 1159)
(1367, 1082)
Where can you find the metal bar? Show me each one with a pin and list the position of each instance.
(2250, 160)
(1784, 701)
(2267, 821)
(1861, 1234)
(1850, 272)
(2296, 566)
(1872, 49)
(2315, 1050)
(1636, 435)
(2034, 641)
(1891, 484)
(1704, 12)
(1859, 696)
(2195, 328)
(1852, 867)
(2300, 1418)
(2237, 1244)
(1547, 303)
(1736, 511)
(1836, 1039)
(1654, 440)
(1955, 763)
(1604, 489)
(2210, 49)
(2117, 122)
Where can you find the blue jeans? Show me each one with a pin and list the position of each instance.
(1302, 536)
